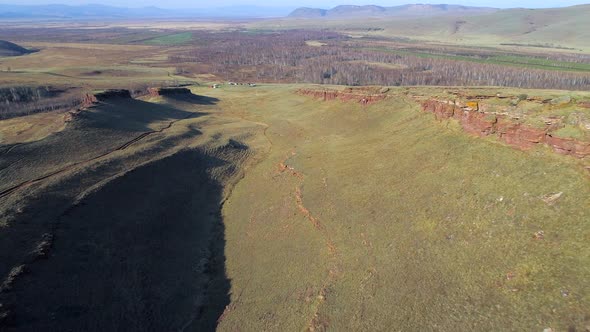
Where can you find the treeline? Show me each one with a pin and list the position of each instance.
(24, 100)
(287, 57)
(486, 53)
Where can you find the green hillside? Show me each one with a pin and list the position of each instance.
(261, 209)
(555, 27)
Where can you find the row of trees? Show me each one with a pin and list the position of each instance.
(23, 100)
(287, 57)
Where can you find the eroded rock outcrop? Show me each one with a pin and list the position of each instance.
(363, 96)
(568, 146)
(512, 133)
(88, 100)
(518, 135)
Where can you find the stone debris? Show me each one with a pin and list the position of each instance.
(539, 235)
(551, 198)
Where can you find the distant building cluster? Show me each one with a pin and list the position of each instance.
(218, 85)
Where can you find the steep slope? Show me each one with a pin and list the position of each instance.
(368, 216)
(114, 222)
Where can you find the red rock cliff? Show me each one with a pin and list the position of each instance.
(514, 134)
(356, 95)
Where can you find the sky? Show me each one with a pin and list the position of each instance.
(297, 3)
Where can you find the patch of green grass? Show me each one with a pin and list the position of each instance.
(173, 39)
(510, 60)
(570, 132)
(405, 222)
(540, 63)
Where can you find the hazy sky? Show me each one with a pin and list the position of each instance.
(297, 3)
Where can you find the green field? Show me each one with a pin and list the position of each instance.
(510, 60)
(173, 39)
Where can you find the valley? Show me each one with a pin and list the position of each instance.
(340, 238)
(317, 172)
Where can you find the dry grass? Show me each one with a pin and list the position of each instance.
(120, 66)
(420, 224)
(31, 127)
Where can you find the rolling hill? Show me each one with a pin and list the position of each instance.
(351, 11)
(556, 27)
(563, 27)
(11, 49)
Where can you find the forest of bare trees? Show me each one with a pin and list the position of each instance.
(23, 100)
(286, 57)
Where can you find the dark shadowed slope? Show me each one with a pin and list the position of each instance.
(118, 226)
(135, 256)
(11, 49)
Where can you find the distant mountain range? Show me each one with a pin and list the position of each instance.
(412, 10)
(101, 11)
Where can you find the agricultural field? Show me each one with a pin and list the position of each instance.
(294, 174)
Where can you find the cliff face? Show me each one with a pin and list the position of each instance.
(514, 134)
(474, 118)
(88, 100)
(362, 96)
